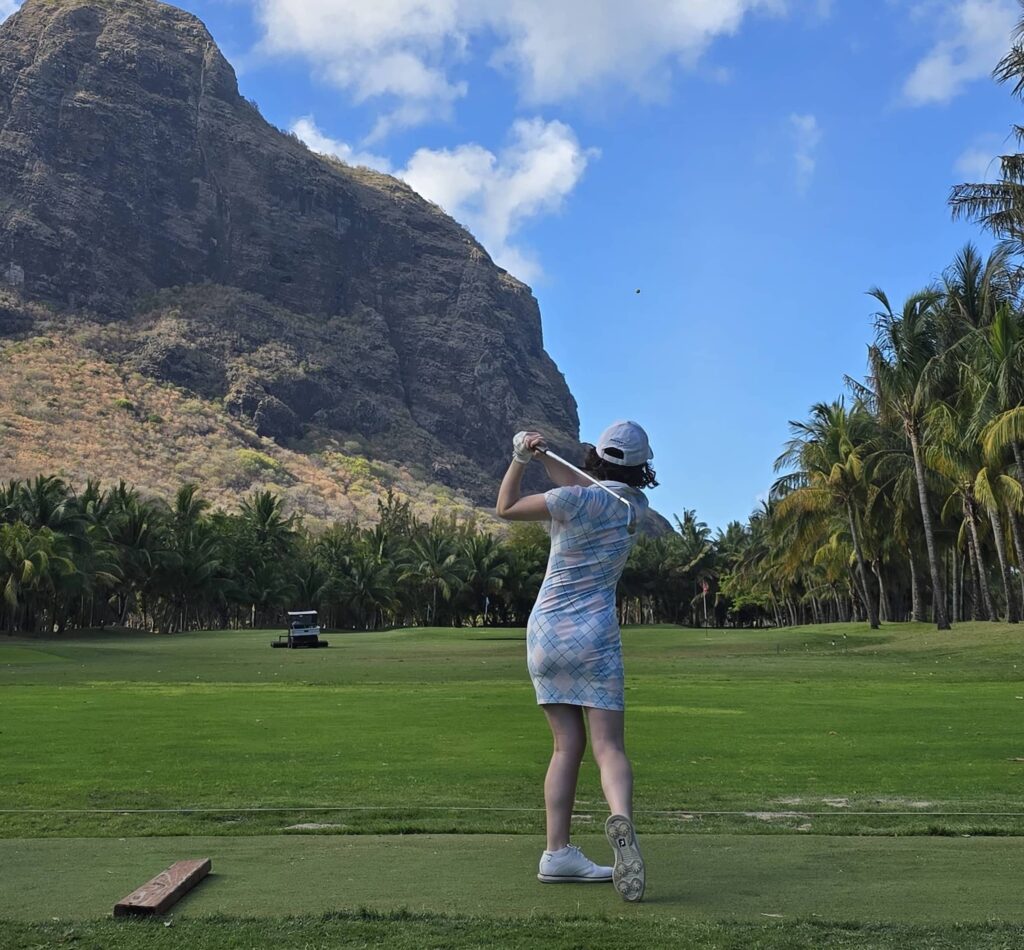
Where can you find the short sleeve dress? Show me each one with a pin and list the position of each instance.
(573, 643)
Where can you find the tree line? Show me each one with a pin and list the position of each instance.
(903, 498)
(104, 557)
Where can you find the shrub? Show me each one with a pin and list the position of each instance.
(254, 464)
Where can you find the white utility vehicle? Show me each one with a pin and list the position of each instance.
(303, 631)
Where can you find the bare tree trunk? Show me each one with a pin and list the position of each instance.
(1018, 543)
(1018, 454)
(938, 588)
(986, 594)
(859, 553)
(972, 608)
(916, 614)
(884, 607)
(958, 584)
(979, 603)
(856, 597)
(1004, 567)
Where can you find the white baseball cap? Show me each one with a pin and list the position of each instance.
(624, 443)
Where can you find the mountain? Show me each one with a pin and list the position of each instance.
(152, 219)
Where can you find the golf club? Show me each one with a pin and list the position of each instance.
(630, 518)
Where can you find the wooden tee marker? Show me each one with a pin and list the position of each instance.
(165, 890)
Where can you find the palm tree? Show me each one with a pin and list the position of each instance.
(993, 384)
(643, 576)
(974, 290)
(434, 560)
(269, 530)
(29, 560)
(188, 509)
(486, 570)
(368, 588)
(267, 539)
(191, 572)
(1000, 206)
(752, 575)
(311, 583)
(266, 586)
(996, 492)
(695, 534)
(138, 530)
(904, 363)
(953, 451)
(526, 548)
(994, 441)
(828, 453)
(996, 367)
(46, 502)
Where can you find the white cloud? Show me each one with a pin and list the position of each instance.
(387, 48)
(561, 49)
(493, 195)
(976, 35)
(7, 7)
(307, 130)
(980, 161)
(405, 51)
(807, 134)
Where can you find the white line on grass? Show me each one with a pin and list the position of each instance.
(677, 813)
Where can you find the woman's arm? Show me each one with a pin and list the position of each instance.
(512, 506)
(560, 474)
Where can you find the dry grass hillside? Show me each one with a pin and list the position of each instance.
(63, 410)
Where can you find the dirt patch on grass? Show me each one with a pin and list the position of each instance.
(312, 826)
(773, 815)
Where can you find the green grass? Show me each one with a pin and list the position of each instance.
(812, 774)
(437, 730)
(705, 877)
(442, 932)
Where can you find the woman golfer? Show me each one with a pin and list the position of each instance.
(574, 651)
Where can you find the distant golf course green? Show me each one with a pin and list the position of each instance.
(812, 734)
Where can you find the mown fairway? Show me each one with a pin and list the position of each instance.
(827, 731)
(393, 724)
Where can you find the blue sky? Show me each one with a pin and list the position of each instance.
(751, 166)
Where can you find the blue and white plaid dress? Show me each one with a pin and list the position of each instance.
(574, 649)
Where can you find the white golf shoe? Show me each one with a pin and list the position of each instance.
(570, 865)
(629, 876)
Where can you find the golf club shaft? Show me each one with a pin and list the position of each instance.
(590, 478)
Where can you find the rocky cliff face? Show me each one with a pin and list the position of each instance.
(138, 189)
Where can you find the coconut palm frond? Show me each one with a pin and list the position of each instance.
(1004, 431)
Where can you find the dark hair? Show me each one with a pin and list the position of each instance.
(636, 476)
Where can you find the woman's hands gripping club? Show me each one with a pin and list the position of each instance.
(525, 444)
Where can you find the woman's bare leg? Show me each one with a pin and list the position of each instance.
(607, 739)
(570, 737)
